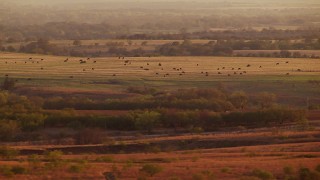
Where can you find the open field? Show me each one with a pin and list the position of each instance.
(109, 75)
(294, 150)
(144, 69)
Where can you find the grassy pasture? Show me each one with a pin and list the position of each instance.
(54, 68)
(111, 73)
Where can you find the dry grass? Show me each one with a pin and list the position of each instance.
(112, 71)
(239, 161)
(223, 163)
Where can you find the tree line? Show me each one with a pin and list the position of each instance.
(195, 109)
(175, 48)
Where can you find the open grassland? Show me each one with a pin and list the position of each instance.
(293, 79)
(53, 70)
(294, 150)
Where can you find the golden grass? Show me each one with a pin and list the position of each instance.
(112, 68)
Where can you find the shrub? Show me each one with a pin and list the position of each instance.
(9, 171)
(109, 176)
(107, 159)
(5, 170)
(174, 178)
(318, 168)
(225, 170)
(307, 174)
(197, 177)
(264, 175)
(288, 170)
(76, 168)
(151, 169)
(34, 161)
(208, 174)
(54, 159)
(8, 153)
(18, 170)
(196, 130)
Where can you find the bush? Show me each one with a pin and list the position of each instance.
(54, 159)
(8, 130)
(9, 171)
(318, 168)
(18, 170)
(307, 174)
(225, 170)
(151, 169)
(76, 168)
(107, 159)
(34, 161)
(264, 175)
(197, 177)
(6, 171)
(288, 170)
(8, 153)
(109, 176)
(8, 84)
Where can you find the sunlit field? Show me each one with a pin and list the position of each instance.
(45, 70)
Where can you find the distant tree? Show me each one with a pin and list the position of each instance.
(3, 98)
(77, 43)
(151, 169)
(239, 99)
(265, 99)
(147, 120)
(144, 43)
(8, 129)
(11, 49)
(285, 54)
(8, 84)
(129, 42)
(31, 121)
(296, 55)
(89, 136)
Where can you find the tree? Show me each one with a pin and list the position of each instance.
(8, 84)
(239, 99)
(147, 120)
(8, 129)
(77, 43)
(31, 121)
(285, 54)
(144, 43)
(3, 98)
(11, 49)
(265, 99)
(89, 136)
